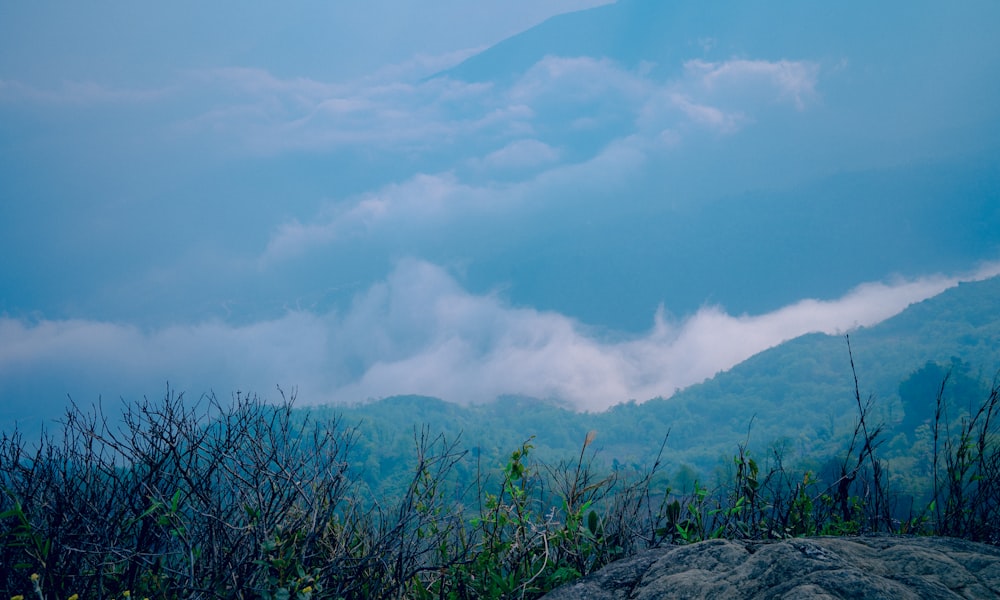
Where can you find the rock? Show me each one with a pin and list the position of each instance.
(802, 568)
(615, 581)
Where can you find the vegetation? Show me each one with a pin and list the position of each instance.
(208, 500)
(245, 499)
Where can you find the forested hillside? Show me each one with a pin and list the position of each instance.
(798, 397)
(802, 392)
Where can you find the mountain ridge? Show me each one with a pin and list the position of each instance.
(799, 395)
(631, 32)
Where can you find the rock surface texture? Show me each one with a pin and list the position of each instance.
(803, 568)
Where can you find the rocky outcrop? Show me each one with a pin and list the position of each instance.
(803, 568)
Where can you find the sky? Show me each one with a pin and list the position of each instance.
(577, 200)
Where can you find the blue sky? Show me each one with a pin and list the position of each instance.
(361, 199)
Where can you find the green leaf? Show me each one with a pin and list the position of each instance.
(592, 522)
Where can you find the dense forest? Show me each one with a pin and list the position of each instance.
(797, 398)
(893, 429)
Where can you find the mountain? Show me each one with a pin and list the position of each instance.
(753, 252)
(798, 397)
(802, 394)
(662, 34)
(866, 174)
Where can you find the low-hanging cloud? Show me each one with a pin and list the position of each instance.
(473, 348)
(420, 332)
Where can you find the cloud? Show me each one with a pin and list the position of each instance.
(559, 81)
(403, 108)
(423, 201)
(42, 362)
(265, 114)
(420, 332)
(438, 205)
(704, 114)
(399, 108)
(520, 154)
(724, 96)
(794, 81)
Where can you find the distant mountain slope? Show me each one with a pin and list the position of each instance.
(604, 31)
(666, 33)
(799, 394)
(889, 165)
(802, 391)
(756, 252)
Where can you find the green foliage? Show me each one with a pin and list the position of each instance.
(246, 499)
(21, 534)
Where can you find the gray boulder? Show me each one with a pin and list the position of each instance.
(802, 568)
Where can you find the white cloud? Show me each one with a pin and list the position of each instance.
(420, 202)
(420, 332)
(429, 203)
(704, 114)
(792, 80)
(724, 96)
(520, 154)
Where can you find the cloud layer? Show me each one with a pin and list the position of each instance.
(554, 97)
(420, 332)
